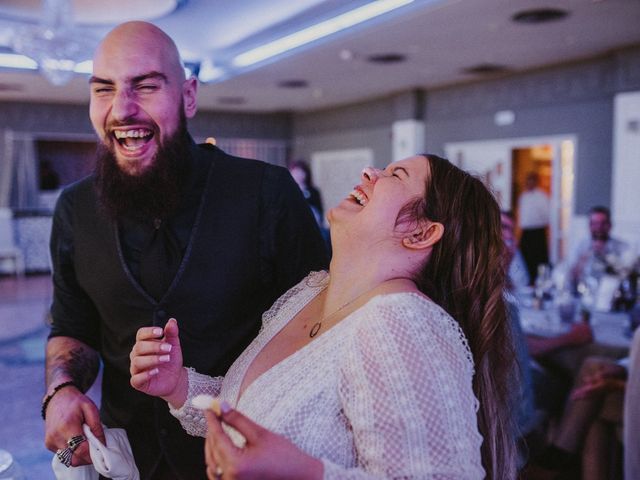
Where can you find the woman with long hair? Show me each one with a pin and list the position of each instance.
(396, 364)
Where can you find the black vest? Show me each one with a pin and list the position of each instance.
(217, 297)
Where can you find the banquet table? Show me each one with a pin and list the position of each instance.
(611, 332)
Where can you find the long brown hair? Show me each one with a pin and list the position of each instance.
(465, 275)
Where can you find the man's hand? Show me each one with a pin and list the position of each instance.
(67, 411)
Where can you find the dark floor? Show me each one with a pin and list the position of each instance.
(24, 303)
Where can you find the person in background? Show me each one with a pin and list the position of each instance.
(527, 419)
(591, 424)
(549, 388)
(594, 255)
(533, 211)
(301, 173)
(398, 363)
(517, 273)
(163, 228)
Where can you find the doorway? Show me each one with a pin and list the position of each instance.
(503, 164)
(536, 159)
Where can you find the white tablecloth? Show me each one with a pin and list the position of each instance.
(609, 328)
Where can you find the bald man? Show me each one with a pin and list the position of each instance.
(163, 228)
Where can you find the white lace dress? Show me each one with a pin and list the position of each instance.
(385, 393)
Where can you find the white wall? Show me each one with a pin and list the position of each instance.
(626, 168)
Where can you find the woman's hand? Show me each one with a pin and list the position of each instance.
(264, 456)
(156, 364)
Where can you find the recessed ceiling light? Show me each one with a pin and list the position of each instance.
(386, 58)
(296, 83)
(346, 54)
(231, 100)
(539, 15)
(486, 69)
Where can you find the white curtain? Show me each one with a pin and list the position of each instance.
(19, 171)
(6, 168)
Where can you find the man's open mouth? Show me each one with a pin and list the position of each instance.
(133, 139)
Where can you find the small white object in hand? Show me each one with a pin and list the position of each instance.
(206, 402)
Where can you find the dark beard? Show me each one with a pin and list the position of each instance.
(153, 194)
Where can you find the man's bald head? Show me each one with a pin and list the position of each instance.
(147, 39)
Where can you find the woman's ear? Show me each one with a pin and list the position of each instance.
(425, 235)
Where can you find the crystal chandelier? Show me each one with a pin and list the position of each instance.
(54, 43)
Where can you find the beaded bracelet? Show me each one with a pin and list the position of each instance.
(48, 398)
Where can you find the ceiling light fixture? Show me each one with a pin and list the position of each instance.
(317, 31)
(54, 43)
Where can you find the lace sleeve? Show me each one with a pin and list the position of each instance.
(192, 419)
(406, 389)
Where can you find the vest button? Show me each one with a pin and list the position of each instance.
(163, 432)
(161, 315)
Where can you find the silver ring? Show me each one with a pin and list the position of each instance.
(75, 441)
(64, 455)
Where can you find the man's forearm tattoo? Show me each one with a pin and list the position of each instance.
(80, 363)
(83, 367)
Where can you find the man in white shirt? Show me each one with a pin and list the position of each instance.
(533, 209)
(595, 255)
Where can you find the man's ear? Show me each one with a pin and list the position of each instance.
(189, 89)
(425, 235)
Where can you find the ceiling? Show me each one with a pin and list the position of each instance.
(440, 39)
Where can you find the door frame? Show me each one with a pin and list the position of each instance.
(564, 148)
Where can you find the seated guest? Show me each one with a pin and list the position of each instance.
(518, 276)
(549, 389)
(526, 418)
(593, 255)
(591, 422)
(397, 363)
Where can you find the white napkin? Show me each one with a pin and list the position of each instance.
(115, 460)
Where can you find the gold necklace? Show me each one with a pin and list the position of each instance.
(318, 325)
